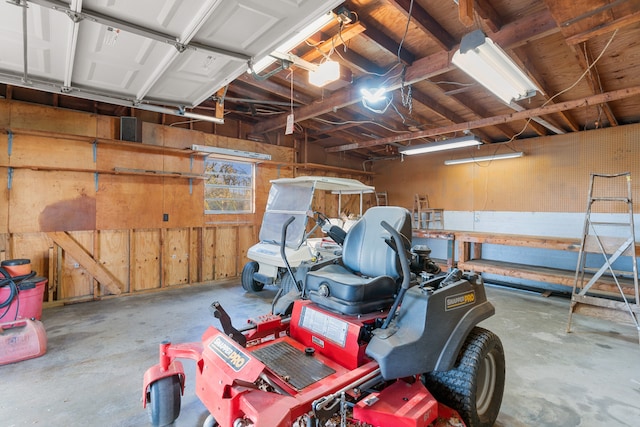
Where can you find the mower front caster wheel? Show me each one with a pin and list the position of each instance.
(248, 283)
(210, 422)
(475, 385)
(164, 401)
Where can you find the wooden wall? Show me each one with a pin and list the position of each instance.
(88, 210)
(553, 176)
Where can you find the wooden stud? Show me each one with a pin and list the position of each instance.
(465, 12)
(66, 242)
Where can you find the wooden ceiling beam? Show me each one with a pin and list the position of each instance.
(442, 111)
(504, 118)
(476, 110)
(326, 46)
(519, 32)
(585, 60)
(361, 63)
(381, 39)
(271, 86)
(603, 29)
(465, 12)
(535, 74)
(489, 15)
(427, 23)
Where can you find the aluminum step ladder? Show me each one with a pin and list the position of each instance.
(615, 297)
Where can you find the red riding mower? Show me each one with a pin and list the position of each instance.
(367, 342)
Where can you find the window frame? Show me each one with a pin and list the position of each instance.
(251, 187)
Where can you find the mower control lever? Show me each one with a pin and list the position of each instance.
(219, 313)
(406, 271)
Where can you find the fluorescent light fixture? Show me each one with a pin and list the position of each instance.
(315, 26)
(489, 65)
(449, 144)
(230, 152)
(327, 72)
(484, 158)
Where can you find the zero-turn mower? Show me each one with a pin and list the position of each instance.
(368, 342)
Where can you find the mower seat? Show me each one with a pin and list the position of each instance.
(367, 278)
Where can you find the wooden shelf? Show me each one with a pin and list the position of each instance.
(130, 171)
(112, 142)
(557, 276)
(115, 171)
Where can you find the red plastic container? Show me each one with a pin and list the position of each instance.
(21, 340)
(27, 304)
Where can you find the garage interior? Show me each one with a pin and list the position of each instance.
(115, 115)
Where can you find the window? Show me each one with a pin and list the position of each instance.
(228, 187)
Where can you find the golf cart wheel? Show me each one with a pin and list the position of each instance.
(287, 283)
(164, 401)
(248, 283)
(475, 385)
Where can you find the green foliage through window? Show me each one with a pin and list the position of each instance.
(228, 187)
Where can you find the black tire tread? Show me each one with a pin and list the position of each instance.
(164, 401)
(248, 284)
(456, 387)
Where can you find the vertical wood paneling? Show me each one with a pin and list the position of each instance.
(5, 113)
(225, 258)
(75, 281)
(113, 254)
(51, 201)
(129, 202)
(247, 237)
(32, 246)
(4, 199)
(208, 253)
(195, 254)
(183, 201)
(175, 257)
(40, 117)
(145, 259)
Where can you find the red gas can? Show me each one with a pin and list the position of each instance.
(21, 340)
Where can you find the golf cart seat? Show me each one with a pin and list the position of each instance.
(367, 278)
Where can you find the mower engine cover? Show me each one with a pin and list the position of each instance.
(430, 328)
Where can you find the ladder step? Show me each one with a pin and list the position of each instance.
(605, 302)
(626, 224)
(611, 199)
(619, 273)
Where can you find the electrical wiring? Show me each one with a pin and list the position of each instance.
(586, 71)
(329, 122)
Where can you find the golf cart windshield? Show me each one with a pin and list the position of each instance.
(284, 202)
(293, 197)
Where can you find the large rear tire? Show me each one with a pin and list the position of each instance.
(248, 283)
(475, 385)
(164, 401)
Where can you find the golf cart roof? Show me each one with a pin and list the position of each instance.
(328, 183)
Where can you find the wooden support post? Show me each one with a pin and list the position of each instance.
(220, 103)
(52, 273)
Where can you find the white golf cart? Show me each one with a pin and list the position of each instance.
(293, 197)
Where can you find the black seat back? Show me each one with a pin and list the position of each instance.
(364, 250)
(367, 279)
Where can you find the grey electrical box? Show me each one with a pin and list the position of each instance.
(130, 129)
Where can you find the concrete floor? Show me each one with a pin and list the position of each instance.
(97, 353)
